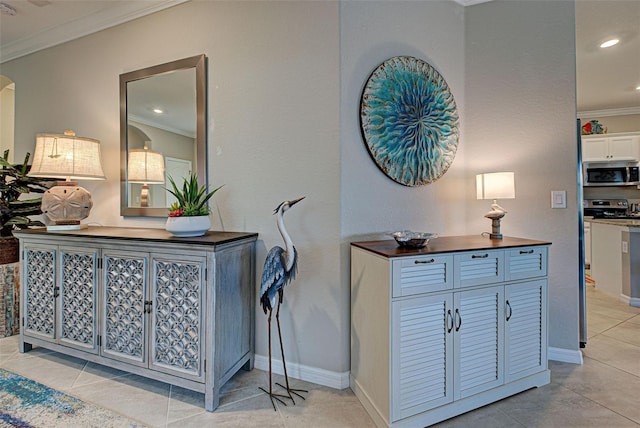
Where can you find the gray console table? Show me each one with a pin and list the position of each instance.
(179, 310)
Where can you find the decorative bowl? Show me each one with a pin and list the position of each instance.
(409, 239)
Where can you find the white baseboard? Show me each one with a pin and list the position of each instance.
(573, 356)
(631, 301)
(328, 378)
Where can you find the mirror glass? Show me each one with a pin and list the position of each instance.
(162, 133)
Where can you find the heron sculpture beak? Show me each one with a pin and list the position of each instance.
(295, 201)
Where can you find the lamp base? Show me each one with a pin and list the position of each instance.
(495, 229)
(66, 204)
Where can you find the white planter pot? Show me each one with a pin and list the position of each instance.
(188, 226)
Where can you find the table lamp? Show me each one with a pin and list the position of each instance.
(69, 158)
(495, 185)
(145, 167)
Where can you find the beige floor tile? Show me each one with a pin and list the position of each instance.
(625, 332)
(253, 412)
(50, 368)
(142, 399)
(556, 406)
(184, 403)
(634, 320)
(310, 415)
(597, 323)
(614, 353)
(488, 416)
(606, 385)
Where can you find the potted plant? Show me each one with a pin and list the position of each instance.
(15, 212)
(189, 215)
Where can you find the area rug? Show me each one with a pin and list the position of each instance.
(27, 403)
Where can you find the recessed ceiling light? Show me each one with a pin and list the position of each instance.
(158, 111)
(609, 43)
(637, 88)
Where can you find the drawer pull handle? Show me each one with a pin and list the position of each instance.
(459, 319)
(510, 311)
(484, 256)
(526, 252)
(449, 318)
(418, 262)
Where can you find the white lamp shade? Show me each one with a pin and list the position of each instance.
(495, 185)
(145, 166)
(67, 157)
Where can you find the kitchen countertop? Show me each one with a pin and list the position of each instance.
(625, 222)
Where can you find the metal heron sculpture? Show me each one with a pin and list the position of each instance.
(280, 268)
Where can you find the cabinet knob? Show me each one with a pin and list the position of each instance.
(458, 320)
(526, 252)
(418, 262)
(510, 311)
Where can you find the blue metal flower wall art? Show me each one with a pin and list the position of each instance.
(409, 121)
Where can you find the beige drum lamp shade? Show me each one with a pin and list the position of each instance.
(146, 167)
(66, 157)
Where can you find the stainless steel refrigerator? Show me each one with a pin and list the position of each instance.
(582, 298)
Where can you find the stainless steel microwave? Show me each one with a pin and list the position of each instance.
(611, 175)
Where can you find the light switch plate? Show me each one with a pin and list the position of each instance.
(558, 199)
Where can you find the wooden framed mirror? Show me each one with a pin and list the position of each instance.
(163, 125)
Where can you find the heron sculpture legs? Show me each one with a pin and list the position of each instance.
(290, 390)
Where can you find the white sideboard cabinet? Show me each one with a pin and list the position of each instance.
(179, 310)
(439, 331)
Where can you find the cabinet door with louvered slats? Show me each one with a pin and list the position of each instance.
(478, 333)
(421, 354)
(526, 329)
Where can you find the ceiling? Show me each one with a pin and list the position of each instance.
(606, 78)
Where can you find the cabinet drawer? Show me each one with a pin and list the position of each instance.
(523, 263)
(478, 268)
(424, 274)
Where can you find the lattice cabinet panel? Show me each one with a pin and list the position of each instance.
(40, 291)
(78, 292)
(124, 307)
(177, 314)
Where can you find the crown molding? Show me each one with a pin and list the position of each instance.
(82, 27)
(609, 112)
(162, 126)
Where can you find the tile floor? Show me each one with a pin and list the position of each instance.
(604, 392)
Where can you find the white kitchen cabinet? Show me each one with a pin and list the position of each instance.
(179, 310)
(434, 353)
(611, 147)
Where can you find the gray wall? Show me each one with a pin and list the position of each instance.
(521, 116)
(284, 84)
(623, 123)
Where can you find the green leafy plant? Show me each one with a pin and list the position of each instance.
(14, 182)
(191, 198)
